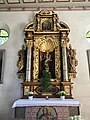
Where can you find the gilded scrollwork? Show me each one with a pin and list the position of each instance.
(36, 64)
(72, 62)
(57, 59)
(46, 43)
(57, 64)
(29, 26)
(21, 63)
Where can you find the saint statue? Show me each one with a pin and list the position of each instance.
(47, 61)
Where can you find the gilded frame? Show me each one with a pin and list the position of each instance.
(2, 62)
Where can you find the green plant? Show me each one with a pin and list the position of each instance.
(30, 93)
(45, 80)
(62, 93)
(78, 117)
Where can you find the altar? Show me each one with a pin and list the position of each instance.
(51, 109)
(46, 65)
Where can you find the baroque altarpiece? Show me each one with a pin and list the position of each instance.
(46, 54)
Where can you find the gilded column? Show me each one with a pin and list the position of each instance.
(29, 44)
(55, 22)
(64, 55)
(38, 27)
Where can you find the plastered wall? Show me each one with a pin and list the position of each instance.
(10, 90)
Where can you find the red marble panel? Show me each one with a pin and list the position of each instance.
(31, 113)
(62, 112)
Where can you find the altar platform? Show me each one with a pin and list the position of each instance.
(52, 109)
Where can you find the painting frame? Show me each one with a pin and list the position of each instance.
(2, 63)
(47, 113)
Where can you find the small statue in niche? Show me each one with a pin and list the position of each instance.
(46, 25)
(47, 61)
(72, 62)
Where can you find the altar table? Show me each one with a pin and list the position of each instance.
(54, 108)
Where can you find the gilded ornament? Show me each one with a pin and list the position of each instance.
(21, 63)
(44, 12)
(57, 64)
(47, 46)
(36, 63)
(48, 38)
(29, 43)
(72, 62)
(67, 90)
(26, 90)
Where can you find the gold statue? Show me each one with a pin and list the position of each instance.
(72, 59)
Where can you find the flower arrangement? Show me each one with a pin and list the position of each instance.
(62, 93)
(78, 117)
(30, 93)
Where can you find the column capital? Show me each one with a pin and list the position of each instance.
(63, 42)
(64, 39)
(29, 43)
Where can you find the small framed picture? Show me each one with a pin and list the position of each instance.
(47, 113)
(2, 61)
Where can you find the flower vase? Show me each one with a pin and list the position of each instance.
(75, 118)
(62, 97)
(30, 97)
(70, 118)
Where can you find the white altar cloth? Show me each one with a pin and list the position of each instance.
(44, 102)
